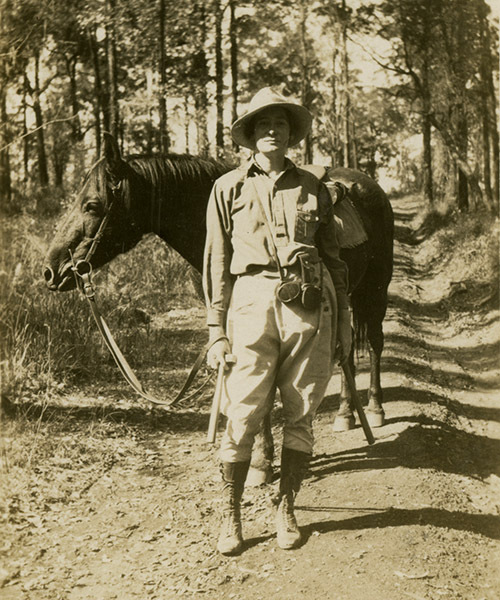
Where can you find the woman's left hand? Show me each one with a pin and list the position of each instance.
(344, 335)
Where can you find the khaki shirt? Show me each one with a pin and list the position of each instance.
(301, 214)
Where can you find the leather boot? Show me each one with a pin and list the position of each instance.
(293, 468)
(233, 477)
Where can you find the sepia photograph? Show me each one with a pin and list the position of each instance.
(249, 300)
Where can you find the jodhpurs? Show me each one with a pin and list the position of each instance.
(277, 346)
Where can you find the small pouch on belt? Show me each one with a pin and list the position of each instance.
(311, 283)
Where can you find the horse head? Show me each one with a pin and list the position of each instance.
(98, 226)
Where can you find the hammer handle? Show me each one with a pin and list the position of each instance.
(357, 403)
(216, 402)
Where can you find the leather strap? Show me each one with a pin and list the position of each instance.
(83, 272)
(274, 250)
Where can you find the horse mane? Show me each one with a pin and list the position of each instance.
(174, 170)
(170, 171)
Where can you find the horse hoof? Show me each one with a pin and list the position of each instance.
(344, 423)
(375, 419)
(257, 477)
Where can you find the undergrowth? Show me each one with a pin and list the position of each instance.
(465, 251)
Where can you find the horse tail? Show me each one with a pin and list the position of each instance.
(360, 325)
(369, 298)
(360, 333)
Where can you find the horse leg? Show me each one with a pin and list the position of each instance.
(374, 412)
(261, 465)
(344, 419)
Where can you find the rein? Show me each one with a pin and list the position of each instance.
(82, 270)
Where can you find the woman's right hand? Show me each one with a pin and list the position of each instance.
(217, 354)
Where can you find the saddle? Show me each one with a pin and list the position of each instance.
(348, 224)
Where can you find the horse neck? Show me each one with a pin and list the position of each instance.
(173, 210)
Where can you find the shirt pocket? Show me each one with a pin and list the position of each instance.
(306, 225)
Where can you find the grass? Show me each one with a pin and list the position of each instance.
(464, 249)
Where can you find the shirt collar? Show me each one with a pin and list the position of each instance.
(251, 165)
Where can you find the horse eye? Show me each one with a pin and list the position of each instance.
(92, 207)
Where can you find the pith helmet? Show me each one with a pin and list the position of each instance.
(300, 118)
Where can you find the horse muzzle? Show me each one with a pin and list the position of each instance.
(59, 282)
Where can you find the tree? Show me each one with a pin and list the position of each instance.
(233, 38)
(111, 70)
(5, 134)
(219, 79)
(436, 51)
(163, 134)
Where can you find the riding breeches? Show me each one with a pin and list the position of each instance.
(277, 346)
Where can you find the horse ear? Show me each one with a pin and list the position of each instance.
(114, 161)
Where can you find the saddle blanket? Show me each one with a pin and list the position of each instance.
(349, 227)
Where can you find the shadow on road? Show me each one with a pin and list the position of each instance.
(425, 444)
(483, 524)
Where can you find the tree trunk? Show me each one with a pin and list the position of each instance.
(428, 187)
(5, 175)
(59, 165)
(5, 178)
(186, 122)
(219, 81)
(346, 104)
(463, 188)
(354, 147)
(457, 153)
(491, 103)
(98, 100)
(485, 134)
(462, 192)
(43, 173)
(73, 95)
(25, 137)
(164, 138)
(305, 79)
(112, 79)
(200, 91)
(233, 37)
(333, 116)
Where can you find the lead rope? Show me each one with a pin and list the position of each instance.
(83, 275)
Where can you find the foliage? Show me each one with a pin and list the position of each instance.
(59, 68)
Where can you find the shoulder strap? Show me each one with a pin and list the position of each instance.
(274, 250)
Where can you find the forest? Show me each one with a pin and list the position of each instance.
(166, 76)
(104, 494)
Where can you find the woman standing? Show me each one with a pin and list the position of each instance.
(275, 289)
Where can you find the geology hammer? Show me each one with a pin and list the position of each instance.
(357, 403)
(216, 402)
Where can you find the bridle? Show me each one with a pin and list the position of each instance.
(82, 270)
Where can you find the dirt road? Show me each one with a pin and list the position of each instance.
(415, 516)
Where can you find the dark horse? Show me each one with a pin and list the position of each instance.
(168, 196)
